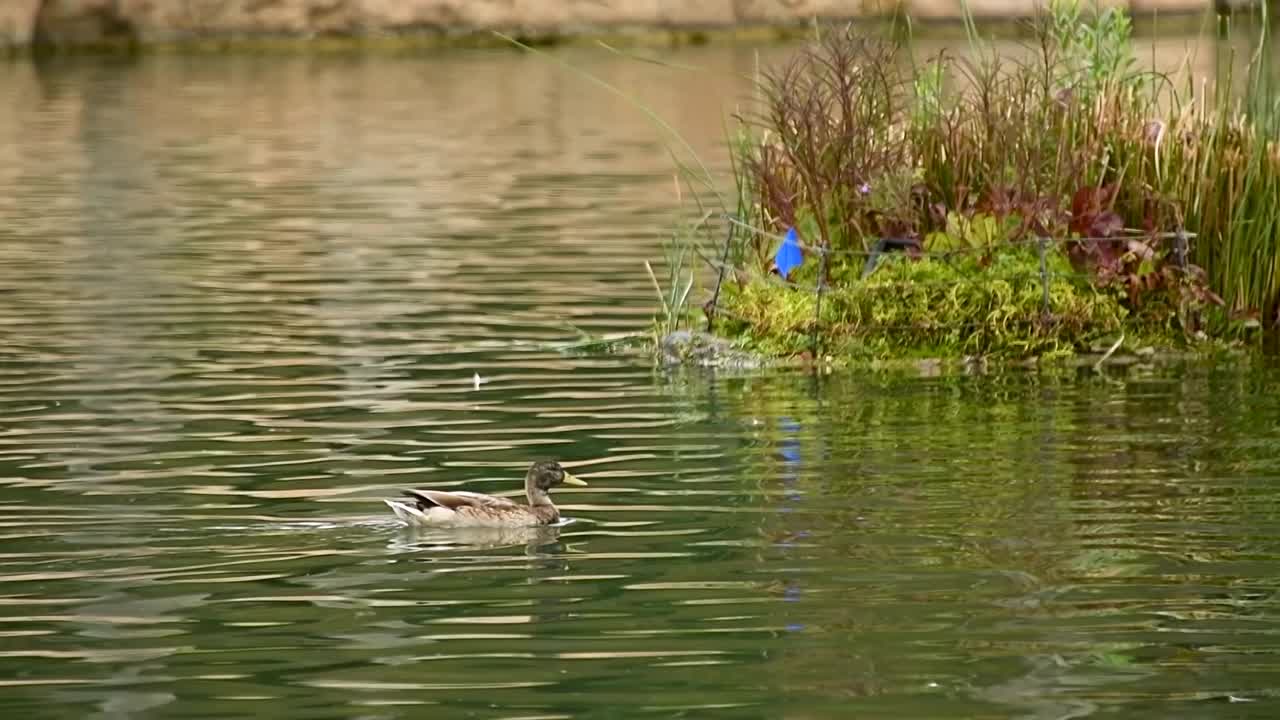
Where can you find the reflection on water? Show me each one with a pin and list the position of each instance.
(245, 299)
(533, 539)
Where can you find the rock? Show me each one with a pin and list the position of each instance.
(17, 22)
(1003, 9)
(1173, 6)
(929, 367)
(67, 23)
(71, 23)
(685, 347)
(778, 12)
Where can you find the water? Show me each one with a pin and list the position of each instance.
(243, 299)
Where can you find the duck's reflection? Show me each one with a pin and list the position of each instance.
(536, 540)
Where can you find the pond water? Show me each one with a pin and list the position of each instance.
(244, 299)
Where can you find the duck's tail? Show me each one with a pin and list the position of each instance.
(408, 513)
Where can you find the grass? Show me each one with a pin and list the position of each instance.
(856, 143)
(942, 308)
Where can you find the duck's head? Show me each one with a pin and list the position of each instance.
(547, 474)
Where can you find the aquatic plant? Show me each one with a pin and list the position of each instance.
(934, 308)
(1219, 159)
(969, 161)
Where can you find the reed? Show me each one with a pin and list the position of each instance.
(856, 142)
(1220, 159)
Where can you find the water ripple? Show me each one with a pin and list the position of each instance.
(240, 309)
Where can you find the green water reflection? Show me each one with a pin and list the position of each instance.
(242, 301)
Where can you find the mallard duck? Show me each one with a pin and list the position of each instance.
(436, 508)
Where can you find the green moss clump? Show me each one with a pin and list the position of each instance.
(963, 306)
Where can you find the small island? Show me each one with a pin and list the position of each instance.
(1063, 202)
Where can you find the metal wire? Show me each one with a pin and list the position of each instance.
(873, 281)
(1133, 234)
(1045, 275)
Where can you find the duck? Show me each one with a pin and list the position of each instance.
(462, 509)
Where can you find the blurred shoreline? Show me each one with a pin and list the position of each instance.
(392, 25)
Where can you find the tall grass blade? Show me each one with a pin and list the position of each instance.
(706, 177)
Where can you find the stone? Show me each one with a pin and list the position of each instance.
(781, 12)
(698, 349)
(1001, 9)
(17, 21)
(67, 23)
(1144, 7)
(73, 23)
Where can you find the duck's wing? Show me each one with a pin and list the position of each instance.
(437, 508)
(458, 500)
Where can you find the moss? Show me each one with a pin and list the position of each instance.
(933, 308)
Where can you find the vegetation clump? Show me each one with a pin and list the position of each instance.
(932, 308)
(993, 205)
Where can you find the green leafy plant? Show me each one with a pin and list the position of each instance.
(980, 233)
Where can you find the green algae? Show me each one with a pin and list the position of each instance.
(963, 306)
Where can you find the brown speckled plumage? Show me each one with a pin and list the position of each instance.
(437, 508)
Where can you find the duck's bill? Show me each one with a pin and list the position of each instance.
(573, 480)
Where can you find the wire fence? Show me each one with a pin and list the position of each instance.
(1179, 237)
(1045, 275)
(882, 283)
